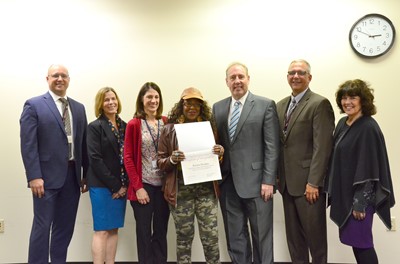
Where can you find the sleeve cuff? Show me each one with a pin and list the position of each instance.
(312, 185)
(170, 160)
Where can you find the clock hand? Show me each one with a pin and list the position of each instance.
(365, 33)
(373, 36)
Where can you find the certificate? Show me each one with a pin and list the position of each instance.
(196, 140)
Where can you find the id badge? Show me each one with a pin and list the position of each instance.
(154, 164)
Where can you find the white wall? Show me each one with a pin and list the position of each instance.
(177, 44)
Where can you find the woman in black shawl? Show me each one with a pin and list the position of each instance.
(359, 176)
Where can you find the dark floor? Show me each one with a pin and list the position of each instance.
(172, 263)
(192, 263)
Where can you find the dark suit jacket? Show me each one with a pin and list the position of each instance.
(252, 156)
(44, 144)
(103, 149)
(307, 146)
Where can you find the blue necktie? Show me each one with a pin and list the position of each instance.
(234, 119)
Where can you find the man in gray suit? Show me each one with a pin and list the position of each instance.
(248, 129)
(306, 125)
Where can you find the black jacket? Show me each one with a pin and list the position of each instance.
(103, 149)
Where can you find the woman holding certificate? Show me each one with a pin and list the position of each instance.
(188, 201)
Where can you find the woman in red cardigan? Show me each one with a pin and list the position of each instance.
(145, 180)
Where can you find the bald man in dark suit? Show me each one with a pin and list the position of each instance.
(306, 125)
(53, 160)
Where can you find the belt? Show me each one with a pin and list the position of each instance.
(71, 163)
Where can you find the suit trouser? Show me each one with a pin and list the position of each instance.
(56, 211)
(151, 227)
(237, 212)
(305, 228)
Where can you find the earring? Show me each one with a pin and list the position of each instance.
(181, 119)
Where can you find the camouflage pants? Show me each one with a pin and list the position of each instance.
(196, 200)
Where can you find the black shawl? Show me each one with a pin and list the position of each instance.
(359, 156)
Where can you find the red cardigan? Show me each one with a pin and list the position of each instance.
(133, 155)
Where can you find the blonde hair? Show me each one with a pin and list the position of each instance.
(99, 100)
(236, 63)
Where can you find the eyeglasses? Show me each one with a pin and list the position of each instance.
(57, 75)
(189, 105)
(299, 73)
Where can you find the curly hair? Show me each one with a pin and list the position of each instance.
(359, 88)
(176, 116)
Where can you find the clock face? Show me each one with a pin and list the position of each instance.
(372, 36)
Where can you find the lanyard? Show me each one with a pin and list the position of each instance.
(158, 134)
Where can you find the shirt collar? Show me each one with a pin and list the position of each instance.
(56, 97)
(299, 96)
(242, 100)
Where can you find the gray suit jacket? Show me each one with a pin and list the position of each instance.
(252, 157)
(307, 146)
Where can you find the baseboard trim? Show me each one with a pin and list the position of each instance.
(135, 262)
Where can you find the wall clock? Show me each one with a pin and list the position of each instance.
(372, 36)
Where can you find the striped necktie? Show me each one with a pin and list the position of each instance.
(67, 122)
(234, 119)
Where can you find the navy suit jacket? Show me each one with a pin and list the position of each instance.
(44, 144)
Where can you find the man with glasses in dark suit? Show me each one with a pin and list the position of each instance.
(306, 125)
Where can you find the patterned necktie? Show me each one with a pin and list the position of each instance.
(67, 122)
(289, 112)
(292, 106)
(234, 119)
